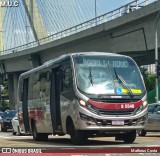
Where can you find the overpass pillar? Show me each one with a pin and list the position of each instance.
(12, 88)
(15, 81)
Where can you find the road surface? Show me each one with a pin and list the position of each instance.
(104, 146)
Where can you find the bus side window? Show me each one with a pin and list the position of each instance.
(67, 80)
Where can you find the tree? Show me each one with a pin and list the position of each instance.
(150, 82)
(4, 91)
(149, 79)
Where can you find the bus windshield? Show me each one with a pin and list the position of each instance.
(113, 75)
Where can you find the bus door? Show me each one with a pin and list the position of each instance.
(55, 99)
(25, 105)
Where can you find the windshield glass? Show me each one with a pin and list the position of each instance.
(108, 75)
(9, 114)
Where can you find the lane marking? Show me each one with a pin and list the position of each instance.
(9, 137)
(5, 137)
(151, 145)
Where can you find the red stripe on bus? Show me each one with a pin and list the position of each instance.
(115, 106)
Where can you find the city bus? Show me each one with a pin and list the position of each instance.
(87, 94)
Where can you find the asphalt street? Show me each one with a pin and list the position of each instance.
(93, 147)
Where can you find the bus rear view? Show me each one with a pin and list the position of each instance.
(111, 97)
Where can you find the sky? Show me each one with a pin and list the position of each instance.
(57, 15)
(53, 17)
(109, 5)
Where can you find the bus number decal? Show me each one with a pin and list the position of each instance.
(125, 106)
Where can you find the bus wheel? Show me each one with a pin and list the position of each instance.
(77, 136)
(141, 132)
(129, 137)
(38, 136)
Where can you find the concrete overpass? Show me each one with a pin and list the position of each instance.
(132, 34)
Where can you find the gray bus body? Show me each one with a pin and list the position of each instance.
(84, 95)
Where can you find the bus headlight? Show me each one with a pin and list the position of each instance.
(89, 106)
(83, 103)
(141, 107)
(145, 104)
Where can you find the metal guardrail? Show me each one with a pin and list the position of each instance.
(130, 7)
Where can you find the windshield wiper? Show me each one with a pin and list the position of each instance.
(123, 82)
(90, 76)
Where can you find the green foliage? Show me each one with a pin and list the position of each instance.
(150, 82)
(5, 85)
(4, 92)
(149, 79)
(152, 94)
(5, 103)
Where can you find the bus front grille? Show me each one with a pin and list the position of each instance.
(114, 100)
(101, 122)
(115, 112)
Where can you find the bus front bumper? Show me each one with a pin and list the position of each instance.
(125, 124)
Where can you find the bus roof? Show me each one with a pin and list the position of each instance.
(55, 60)
(83, 53)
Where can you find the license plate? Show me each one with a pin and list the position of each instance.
(117, 122)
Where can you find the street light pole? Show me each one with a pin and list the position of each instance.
(95, 8)
(156, 54)
(95, 4)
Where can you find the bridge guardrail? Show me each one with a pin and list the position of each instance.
(130, 7)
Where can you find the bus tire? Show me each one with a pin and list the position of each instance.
(129, 137)
(38, 136)
(141, 132)
(77, 136)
